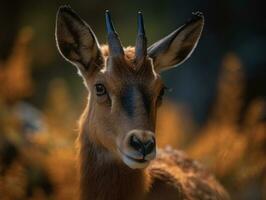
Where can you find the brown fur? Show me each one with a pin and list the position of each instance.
(117, 129)
(102, 178)
(129, 52)
(170, 176)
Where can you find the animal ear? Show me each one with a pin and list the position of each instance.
(76, 41)
(175, 48)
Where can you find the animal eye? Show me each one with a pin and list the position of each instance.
(160, 96)
(162, 92)
(100, 89)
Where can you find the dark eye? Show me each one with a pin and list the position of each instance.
(160, 96)
(162, 92)
(100, 89)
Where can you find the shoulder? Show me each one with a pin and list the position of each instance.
(174, 170)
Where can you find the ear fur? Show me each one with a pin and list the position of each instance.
(175, 48)
(76, 41)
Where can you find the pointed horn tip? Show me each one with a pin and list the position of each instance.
(140, 16)
(141, 42)
(109, 23)
(141, 29)
(107, 14)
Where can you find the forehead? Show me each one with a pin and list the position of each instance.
(118, 78)
(118, 73)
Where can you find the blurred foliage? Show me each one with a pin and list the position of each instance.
(235, 150)
(37, 164)
(37, 147)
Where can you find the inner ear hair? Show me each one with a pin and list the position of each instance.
(76, 41)
(177, 47)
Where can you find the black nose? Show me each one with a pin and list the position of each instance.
(144, 148)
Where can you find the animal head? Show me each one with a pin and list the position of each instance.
(124, 84)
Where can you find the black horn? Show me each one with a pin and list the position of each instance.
(141, 42)
(115, 47)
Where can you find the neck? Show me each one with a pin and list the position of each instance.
(102, 177)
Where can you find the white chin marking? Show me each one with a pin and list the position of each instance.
(133, 164)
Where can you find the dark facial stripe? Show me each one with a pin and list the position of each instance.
(127, 100)
(146, 101)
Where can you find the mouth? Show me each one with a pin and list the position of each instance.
(134, 163)
(136, 160)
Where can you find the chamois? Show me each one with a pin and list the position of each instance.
(117, 145)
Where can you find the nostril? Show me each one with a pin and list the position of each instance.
(144, 148)
(149, 146)
(136, 144)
